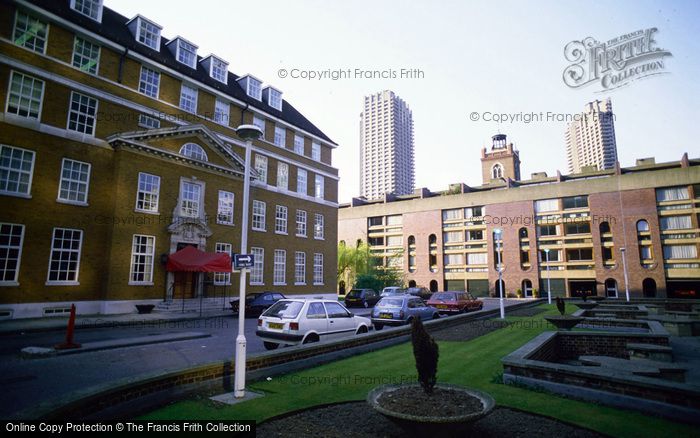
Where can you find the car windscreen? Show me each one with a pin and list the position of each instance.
(354, 293)
(284, 309)
(443, 297)
(390, 302)
(252, 297)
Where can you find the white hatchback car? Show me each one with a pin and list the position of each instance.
(294, 322)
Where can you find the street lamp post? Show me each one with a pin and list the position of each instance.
(624, 269)
(247, 133)
(497, 235)
(549, 289)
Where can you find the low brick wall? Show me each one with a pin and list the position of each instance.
(87, 405)
(573, 345)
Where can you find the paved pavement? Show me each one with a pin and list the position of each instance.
(26, 382)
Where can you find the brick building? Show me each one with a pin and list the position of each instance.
(445, 240)
(118, 147)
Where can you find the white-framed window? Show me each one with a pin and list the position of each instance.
(280, 136)
(318, 268)
(299, 144)
(150, 82)
(261, 167)
(318, 226)
(148, 193)
(188, 98)
(543, 205)
(148, 122)
(194, 151)
(454, 259)
(260, 123)
(675, 223)
(680, 252)
(82, 113)
(319, 191)
(75, 181)
(279, 267)
(190, 195)
(64, 261)
(86, 55)
(254, 88)
(281, 219)
(25, 96)
(302, 183)
(299, 268)
(148, 33)
(274, 99)
(259, 211)
(315, 151)
(256, 272)
(143, 249)
(301, 223)
(219, 70)
(672, 194)
(221, 112)
(16, 170)
(89, 8)
(30, 32)
(11, 240)
(282, 175)
(448, 215)
(186, 53)
(223, 278)
(224, 214)
(477, 258)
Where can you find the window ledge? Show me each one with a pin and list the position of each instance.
(16, 195)
(281, 233)
(319, 284)
(76, 203)
(262, 230)
(299, 284)
(226, 224)
(279, 284)
(140, 283)
(301, 235)
(257, 284)
(62, 283)
(9, 283)
(154, 213)
(319, 238)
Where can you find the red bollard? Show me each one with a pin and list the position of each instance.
(69, 333)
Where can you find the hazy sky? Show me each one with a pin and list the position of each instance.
(483, 57)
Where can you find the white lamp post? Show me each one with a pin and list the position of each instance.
(497, 235)
(549, 289)
(624, 269)
(247, 133)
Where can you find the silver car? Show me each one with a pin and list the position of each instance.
(401, 309)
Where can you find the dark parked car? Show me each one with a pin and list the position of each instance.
(361, 298)
(257, 303)
(455, 302)
(401, 309)
(422, 292)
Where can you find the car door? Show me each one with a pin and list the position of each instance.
(316, 319)
(426, 312)
(340, 321)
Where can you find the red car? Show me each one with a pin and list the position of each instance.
(454, 302)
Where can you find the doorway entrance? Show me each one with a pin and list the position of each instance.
(579, 287)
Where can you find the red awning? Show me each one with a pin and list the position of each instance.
(190, 259)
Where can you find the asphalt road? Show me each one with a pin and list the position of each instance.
(27, 382)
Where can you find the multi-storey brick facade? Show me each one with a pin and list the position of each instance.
(118, 149)
(445, 240)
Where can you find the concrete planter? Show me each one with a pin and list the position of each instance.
(144, 308)
(565, 322)
(416, 425)
(585, 305)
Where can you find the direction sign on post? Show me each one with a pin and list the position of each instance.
(241, 261)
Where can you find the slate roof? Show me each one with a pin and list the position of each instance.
(113, 28)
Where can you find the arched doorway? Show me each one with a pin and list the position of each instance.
(412, 283)
(649, 288)
(341, 287)
(433, 286)
(498, 290)
(527, 288)
(611, 288)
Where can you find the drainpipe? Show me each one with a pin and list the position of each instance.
(122, 58)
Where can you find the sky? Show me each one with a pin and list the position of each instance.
(483, 57)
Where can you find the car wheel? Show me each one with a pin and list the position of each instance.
(361, 329)
(311, 338)
(270, 345)
(378, 326)
(366, 304)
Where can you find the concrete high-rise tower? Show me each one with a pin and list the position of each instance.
(590, 140)
(386, 146)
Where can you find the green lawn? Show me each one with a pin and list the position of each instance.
(475, 364)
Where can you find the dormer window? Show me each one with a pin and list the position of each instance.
(273, 97)
(217, 68)
(185, 52)
(89, 8)
(145, 31)
(252, 86)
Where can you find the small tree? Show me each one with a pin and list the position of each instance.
(561, 306)
(425, 350)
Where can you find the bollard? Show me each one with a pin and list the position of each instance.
(69, 332)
